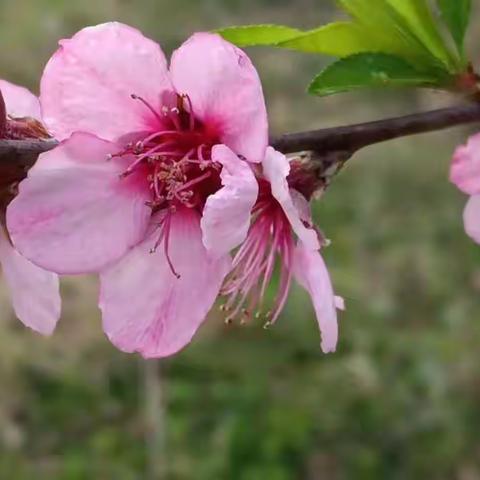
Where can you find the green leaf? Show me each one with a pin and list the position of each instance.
(368, 70)
(456, 14)
(338, 39)
(255, 35)
(381, 21)
(402, 27)
(419, 20)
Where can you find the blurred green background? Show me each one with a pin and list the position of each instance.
(400, 398)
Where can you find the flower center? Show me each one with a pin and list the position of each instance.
(254, 264)
(176, 159)
(177, 162)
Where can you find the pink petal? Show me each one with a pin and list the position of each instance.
(226, 216)
(19, 101)
(465, 168)
(311, 272)
(302, 206)
(276, 169)
(225, 91)
(87, 84)
(471, 218)
(73, 213)
(145, 307)
(35, 292)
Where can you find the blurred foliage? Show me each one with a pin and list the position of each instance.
(399, 400)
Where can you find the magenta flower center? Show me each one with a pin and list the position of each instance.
(176, 159)
(270, 237)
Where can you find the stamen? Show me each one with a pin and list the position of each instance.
(164, 237)
(156, 135)
(140, 159)
(159, 240)
(253, 265)
(270, 262)
(200, 154)
(157, 187)
(186, 157)
(191, 115)
(195, 181)
(285, 282)
(173, 115)
(166, 243)
(157, 116)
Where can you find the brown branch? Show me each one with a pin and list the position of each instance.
(352, 138)
(26, 146)
(24, 152)
(16, 158)
(331, 147)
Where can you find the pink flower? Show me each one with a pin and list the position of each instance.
(280, 214)
(465, 174)
(147, 186)
(35, 292)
